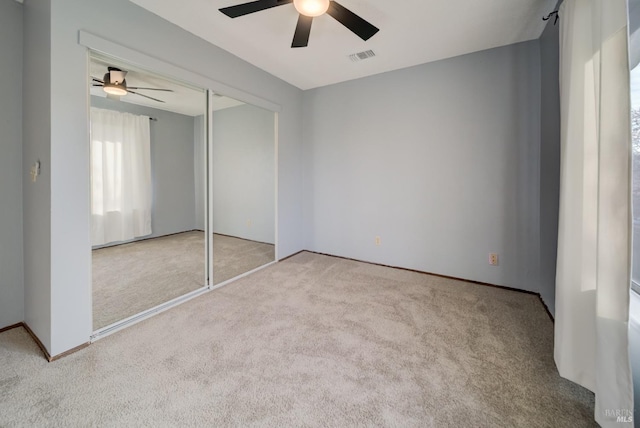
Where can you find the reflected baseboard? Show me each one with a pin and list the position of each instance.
(141, 239)
(245, 239)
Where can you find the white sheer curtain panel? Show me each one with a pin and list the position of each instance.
(120, 176)
(593, 270)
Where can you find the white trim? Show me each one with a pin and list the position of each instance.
(208, 226)
(275, 184)
(163, 67)
(209, 180)
(88, 160)
(134, 319)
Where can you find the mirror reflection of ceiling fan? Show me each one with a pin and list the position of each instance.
(115, 85)
(307, 10)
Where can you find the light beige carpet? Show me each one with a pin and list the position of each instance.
(311, 341)
(235, 256)
(131, 278)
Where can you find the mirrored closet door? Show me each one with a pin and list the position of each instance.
(148, 210)
(183, 190)
(243, 173)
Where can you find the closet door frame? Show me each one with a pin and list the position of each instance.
(166, 68)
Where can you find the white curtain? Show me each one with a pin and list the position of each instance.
(120, 176)
(593, 271)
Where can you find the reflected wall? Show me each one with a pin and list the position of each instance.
(243, 190)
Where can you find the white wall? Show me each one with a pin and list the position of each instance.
(244, 173)
(11, 276)
(172, 166)
(36, 146)
(440, 160)
(65, 271)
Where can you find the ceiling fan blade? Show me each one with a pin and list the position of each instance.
(95, 79)
(353, 22)
(251, 7)
(146, 96)
(150, 89)
(101, 86)
(303, 29)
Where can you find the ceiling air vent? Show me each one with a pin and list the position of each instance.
(362, 56)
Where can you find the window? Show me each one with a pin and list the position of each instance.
(120, 176)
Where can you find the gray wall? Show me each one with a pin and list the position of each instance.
(11, 279)
(64, 272)
(244, 173)
(37, 146)
(172, 166)
(440, 160)
(549, 162)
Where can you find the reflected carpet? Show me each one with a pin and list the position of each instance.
(131, 278)
(235, 256)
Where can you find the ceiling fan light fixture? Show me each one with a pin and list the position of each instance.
(311, 8)
(114, 83)
(112, 89)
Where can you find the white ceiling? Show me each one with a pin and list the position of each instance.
(411, 32)
(184, 99)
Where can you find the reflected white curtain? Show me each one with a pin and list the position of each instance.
(593, 270)
(120, 176)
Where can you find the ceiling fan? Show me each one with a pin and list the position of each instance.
(115, 85)
(308, 9)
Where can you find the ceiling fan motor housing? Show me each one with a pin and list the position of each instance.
(115, 85)
(115, 82)
(307, 9)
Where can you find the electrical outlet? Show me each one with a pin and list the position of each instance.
(378, 241)
(493, 259)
